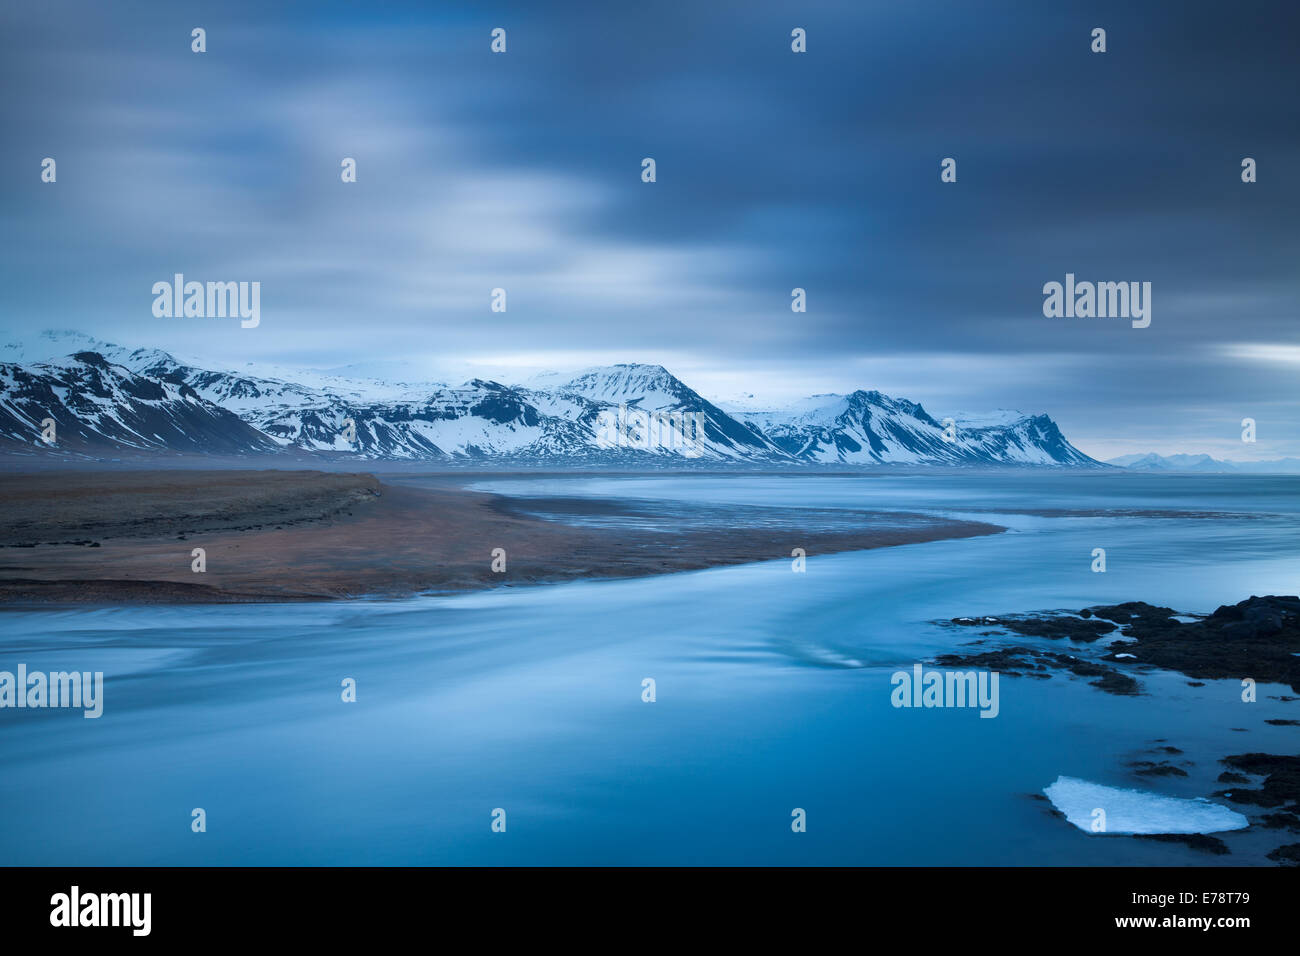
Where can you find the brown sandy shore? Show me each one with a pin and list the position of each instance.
(127, 536)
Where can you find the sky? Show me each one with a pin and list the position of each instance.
(775, 170)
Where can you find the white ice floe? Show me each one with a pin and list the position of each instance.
(1135, 811)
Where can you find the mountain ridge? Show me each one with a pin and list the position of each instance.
(626, 413)
(1203, 464)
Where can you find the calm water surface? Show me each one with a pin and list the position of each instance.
(773, 692)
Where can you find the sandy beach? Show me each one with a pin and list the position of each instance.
(129, 536)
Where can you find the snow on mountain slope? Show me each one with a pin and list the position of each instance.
(872, 428)
(655, 412)
(54, 345)
(611, 414)
(98, 405)
(1032, 440)
(647, 386)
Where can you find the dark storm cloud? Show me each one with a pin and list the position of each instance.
(775, 170)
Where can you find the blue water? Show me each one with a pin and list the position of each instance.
(773, 692)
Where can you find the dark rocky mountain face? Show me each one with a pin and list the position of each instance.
(97, 406)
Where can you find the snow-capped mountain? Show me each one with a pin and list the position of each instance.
(1204, 464)
(659, 401)
(97, 405)
(1154, 462)
(108, 396)
(53, 345)
(871, 428)
(483, 419)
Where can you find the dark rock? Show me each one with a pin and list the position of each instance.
(1026, 662)
(1149, 768)
(1288, 855)
(1113, 682)
(1197, 841)
(1281, 821)
(1056, 628)
(1135, 611)
(1281, 779)
(1257, 638)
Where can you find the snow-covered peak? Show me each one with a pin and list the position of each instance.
(821, 409)
(51, 345)
(647, 386)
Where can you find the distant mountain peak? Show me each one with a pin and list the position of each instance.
(1203, 463)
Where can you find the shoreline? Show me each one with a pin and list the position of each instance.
(289, 536)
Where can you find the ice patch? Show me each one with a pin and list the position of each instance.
(1135, 811)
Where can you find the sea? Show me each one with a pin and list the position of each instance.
(741, 715)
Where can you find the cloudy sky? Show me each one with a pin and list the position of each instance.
(775, 170)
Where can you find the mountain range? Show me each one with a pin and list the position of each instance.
(1204, 463)
(107, 398)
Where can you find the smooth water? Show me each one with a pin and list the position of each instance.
(773, 693)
